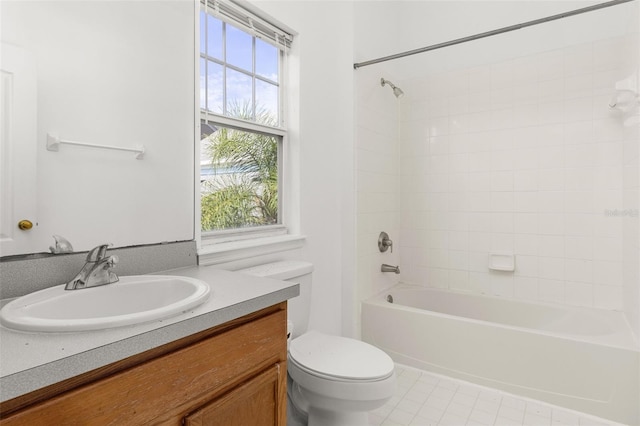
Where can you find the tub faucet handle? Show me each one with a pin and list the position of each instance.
(62, 245)
(384, 242)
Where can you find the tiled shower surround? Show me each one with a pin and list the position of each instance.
(522, 156)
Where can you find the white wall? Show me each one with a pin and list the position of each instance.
(109, 74)
(376, 142)
(631, 235)
(424, 23)
(322, 138)
(631, 231)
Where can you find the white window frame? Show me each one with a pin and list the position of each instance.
(221, 246)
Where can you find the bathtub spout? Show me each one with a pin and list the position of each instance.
(390, 268)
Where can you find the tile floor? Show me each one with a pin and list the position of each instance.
(426, 399)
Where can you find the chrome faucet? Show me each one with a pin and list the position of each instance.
(96, 271)
(390, 268)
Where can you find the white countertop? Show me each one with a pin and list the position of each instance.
(30, 361)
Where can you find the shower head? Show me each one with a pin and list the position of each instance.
(396, 90)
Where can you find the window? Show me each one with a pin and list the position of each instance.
(242, 120)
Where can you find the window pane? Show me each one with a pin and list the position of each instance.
(214, 37)
(266, 103)
(239, 180)
(267, 60)
(239, 95)
(214, 87)
(239, 48)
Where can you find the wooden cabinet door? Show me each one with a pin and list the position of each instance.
(257, 402)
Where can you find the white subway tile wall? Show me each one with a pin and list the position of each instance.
(521, 156)
(378, 181)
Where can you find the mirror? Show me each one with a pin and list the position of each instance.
(117, 74)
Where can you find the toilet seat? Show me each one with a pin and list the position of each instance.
(339, 358)
(295, 365)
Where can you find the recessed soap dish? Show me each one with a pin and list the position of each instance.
(502, 262)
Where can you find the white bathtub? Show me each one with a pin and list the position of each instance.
(578, 358)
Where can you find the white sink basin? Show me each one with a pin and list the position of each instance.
(132, 300)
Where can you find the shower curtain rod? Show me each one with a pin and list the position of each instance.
(491, 33)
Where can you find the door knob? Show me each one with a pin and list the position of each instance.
(25, 224)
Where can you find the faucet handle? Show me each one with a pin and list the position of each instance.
(384, 242)
(98, 253)
(62, 245)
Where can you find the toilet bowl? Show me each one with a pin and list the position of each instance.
(332, 380)
(337, 380)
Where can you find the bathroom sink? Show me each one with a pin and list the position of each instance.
(131, 300)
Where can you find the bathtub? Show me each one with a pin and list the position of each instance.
(578, 358)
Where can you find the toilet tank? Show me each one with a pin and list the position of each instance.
(297, 271)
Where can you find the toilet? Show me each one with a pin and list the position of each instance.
(332, 380)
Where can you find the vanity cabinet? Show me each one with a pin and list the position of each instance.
(232, 374)
(253, 403)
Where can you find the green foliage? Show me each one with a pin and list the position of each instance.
(244, 191)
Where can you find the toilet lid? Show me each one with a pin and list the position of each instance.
(340, 357)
